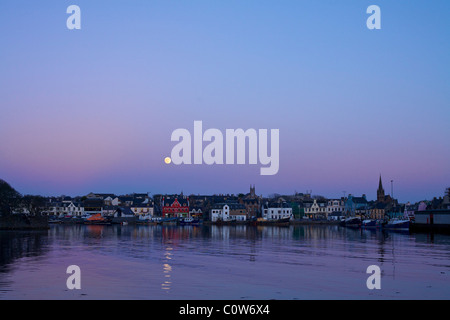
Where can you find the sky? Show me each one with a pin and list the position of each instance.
(93, 110)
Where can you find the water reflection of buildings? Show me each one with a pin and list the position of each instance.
(241, 240)
(169, 255)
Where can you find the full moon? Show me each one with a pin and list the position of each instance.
(167, 160)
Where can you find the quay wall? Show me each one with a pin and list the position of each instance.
(292, 222)
(432, 221)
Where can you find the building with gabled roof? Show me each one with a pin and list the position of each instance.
(356, 205)
(144, 207)
(230, 211)
(318, 210)
(175, 206)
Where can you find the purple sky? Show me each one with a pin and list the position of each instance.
(93, 109)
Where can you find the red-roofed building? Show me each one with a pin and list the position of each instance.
(175, 206)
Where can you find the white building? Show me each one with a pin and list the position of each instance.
(228, 212)
(143, 208)
(65, 208)
(318, 210)
(335, 205)
(277, 212)
(111, 201)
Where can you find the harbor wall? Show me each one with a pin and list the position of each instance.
(432, 221)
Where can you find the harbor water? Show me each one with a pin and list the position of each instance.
(159, 262)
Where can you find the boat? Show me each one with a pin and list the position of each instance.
(157, 220)
(147, 220)
(188, 221)
(369, 223)
(397, 224)
(54, 220)
(97, 219)
(271, 222)
(169, 221)
(351, 222)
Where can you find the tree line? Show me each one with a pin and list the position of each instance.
(11, 201)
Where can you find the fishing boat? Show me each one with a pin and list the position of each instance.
(369, 223)
(351, 222)
(397, 224)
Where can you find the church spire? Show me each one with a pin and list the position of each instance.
(380, 191)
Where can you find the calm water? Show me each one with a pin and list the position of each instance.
(222, 263)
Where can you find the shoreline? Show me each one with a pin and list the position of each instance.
(24, 222)
(272, 223)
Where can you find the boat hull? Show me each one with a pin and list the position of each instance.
(369, 224)
(97, 219)
(193, 222)
(352, 223)
(397, 225)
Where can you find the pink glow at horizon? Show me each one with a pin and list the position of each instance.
(93, 110)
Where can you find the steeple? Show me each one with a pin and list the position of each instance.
(252, 190)
(380, 192)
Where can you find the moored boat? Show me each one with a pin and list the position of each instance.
(397, 224)
(144, 219)
(189, 221)
(54, 220)
(351, 222)
(274, 222)
(369, 223)
(97, 219)
(169, 221)
(149, 220)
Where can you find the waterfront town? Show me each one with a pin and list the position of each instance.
(223, 208)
